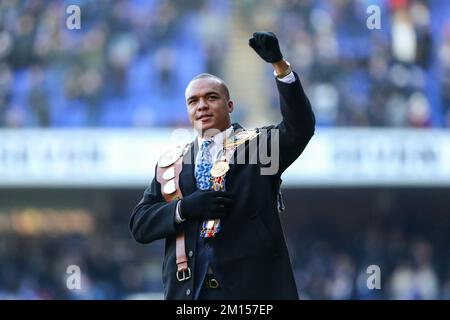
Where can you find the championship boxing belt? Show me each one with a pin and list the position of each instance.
(168, 171)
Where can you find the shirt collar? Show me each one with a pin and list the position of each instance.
(218, 138)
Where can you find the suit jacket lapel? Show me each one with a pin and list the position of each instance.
(229, 176)
(237, 128)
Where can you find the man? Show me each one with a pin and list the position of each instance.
(223, 234)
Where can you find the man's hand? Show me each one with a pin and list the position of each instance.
(206, 205)
(266, 46)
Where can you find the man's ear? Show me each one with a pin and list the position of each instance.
(230, 106)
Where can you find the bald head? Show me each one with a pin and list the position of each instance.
(222, 84)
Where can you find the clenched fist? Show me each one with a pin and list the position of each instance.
(266, 46)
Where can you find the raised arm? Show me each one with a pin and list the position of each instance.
(297, 126)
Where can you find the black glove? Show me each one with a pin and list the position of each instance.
(205, 205)
(266, 46)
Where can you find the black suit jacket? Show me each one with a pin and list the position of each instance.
(251, 258)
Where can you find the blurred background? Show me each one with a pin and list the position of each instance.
(86, 113)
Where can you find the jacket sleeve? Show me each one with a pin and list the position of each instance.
(297, 125)
(153, 218)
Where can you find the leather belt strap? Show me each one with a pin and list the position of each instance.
(171, 193)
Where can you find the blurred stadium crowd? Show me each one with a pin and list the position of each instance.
(409, 268)
(325, 268)
(128, 67)
(131, 60)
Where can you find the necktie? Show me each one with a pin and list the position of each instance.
(203, 178)
(203, 168)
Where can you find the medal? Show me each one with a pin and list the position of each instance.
(210, 224)
(170, 187)
(169, 173)
(217, 183)
(219, 169)
(210, 228)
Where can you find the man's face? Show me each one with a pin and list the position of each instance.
(208, 105)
